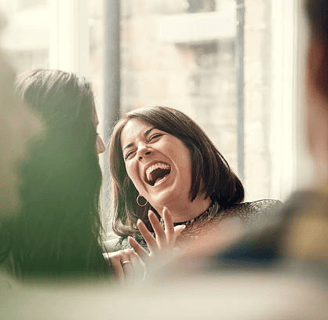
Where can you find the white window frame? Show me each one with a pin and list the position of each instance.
(290, 161)
(69, 36)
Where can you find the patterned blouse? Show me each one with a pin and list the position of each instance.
(247, 212)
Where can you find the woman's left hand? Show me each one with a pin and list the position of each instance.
(163, 243)
(126, 265)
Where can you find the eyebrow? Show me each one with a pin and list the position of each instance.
(145, 134)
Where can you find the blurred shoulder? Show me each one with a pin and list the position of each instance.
(251, 211)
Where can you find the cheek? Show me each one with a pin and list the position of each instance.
(187, 165)
(187, 171)
(132, 172)
(128, 170)
(184, 157)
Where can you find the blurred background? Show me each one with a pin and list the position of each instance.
(232, 65)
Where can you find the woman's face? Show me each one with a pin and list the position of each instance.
(158, 163)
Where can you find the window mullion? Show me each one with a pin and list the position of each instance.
(69, 36)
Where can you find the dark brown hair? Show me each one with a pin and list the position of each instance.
(317, 14)
(209, 168)
(58, 231)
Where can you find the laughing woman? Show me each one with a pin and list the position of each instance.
(170, 184)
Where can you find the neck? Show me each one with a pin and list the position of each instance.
(321, 174)
(317, 132)
(320, 157)
(188, 210)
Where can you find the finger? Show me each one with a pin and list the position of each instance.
(128, 271)
(138, 249)
(128, 265)
(159, 230)
(169, 227)
(118, 269)
(149, 238)
(139, 267)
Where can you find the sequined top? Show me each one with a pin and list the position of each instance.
(297, 234)
(247, 212)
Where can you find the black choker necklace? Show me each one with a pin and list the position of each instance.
(210, 212)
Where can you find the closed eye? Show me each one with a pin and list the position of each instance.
(128, 154)
(154, 136)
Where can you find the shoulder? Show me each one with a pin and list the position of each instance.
(250, 211)
(261, 245)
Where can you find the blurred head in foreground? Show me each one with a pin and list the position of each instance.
(317, 86)
(58, 230)
(307, 238)
(299, 232)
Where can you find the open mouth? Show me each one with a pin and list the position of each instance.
(157, 173)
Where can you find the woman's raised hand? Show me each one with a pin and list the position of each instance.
(161, 246)
(129, 265)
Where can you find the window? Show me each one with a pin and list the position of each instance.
(184, 54)
(26, 37)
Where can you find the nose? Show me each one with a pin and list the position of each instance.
(143, 151)
(100, 146)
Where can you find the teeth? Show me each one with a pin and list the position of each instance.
(159, 181)
(155, 166)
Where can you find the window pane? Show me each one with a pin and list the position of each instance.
(182, 54)
(26, 37)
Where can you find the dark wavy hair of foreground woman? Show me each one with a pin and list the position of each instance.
(58, 231)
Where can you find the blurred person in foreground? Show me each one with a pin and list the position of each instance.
(58, 230)
(299, 233)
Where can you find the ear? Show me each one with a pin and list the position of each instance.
(317, 66)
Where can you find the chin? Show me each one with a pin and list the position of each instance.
(167, 198)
